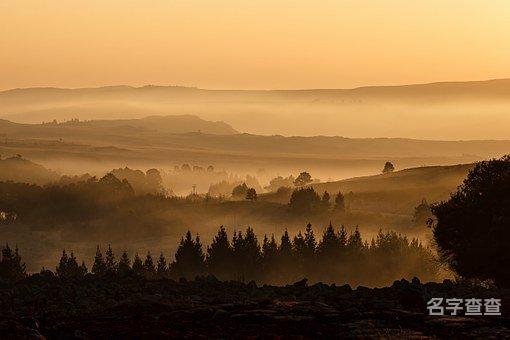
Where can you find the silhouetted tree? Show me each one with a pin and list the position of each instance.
(251, 194)
(472, 227)
(68, 267)
(339, 202)
(303, 179)
(388, 167)
(148, 265)
(189, 258)
(325, 200)
(247, 255)
(99, 266)
(268, 262)
(137, 267)
(240, 191)
(124, 266)
(12, 269)
(304, 200)
(220, 256)
(161, 267)
(111, 266)
(422, 213)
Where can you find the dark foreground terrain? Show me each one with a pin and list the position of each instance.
(43, 306)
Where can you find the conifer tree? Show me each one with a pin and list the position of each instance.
(148, 264)
(220, 255)
(299, 254)
(340, 202)
(99, 266)
(61, 269)
(189, 258)
(138, 268)
(111, 266)
(124, 266)
(161, 267)
(68, 267)
(325, 200)
(83, 269)
(247, 255)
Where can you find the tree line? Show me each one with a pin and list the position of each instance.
(337, 256)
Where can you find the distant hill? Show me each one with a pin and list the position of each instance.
(18, 169)
(447, 110)
(400, 191)
(152, 124)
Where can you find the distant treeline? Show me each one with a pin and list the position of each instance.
(336, 257)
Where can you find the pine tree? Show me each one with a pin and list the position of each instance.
(124, 266)
(11, 267)
(61, 269)
(299, 254)
(220, 255)
(138, 268)
(161, 267)
(148, 264)
(99, 266)
(269, 258)
(111, 266)
(285, 248)
(189, 258)
(83, 269)
(247, 255)
(340, 202)
(68, 267)
(325, 200)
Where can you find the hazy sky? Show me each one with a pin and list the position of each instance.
(251, 44)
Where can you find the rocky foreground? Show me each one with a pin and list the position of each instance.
(45, 307)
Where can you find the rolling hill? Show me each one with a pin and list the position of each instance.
(448, 110)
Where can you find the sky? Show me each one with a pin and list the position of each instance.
(241, 44)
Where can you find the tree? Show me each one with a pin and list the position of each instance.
(210, 168)
(269, 257)
(148, 264)
(247, 255)
(124, 266)
(154, 182)
(161, 267)
(189, 258)
(111, 266)
(325, 200)
(240, 191)
(251, 194)
(279, 182)
(388, 167)
(340, 202)
(99, 266)
(303, 179)
(12, 269)
(472, 228)
(68, 267)
(422, 213)
(304, 200)
(137, 267)
(219, 256)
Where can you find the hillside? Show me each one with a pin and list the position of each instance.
(151, 124)
(400, 191)
(18, 169)
(174, 140)
(448, 110)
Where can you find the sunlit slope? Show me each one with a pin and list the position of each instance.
(400, 191)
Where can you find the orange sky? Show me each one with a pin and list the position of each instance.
(261, 44)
